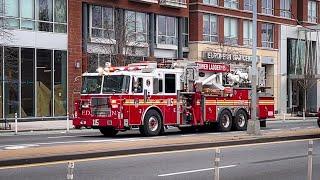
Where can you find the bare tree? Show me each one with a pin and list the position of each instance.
(307, 67)
(123, 38)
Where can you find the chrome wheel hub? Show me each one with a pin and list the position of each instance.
(225, 121)
(153, 123)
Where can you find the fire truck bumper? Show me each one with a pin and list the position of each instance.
(96, 123)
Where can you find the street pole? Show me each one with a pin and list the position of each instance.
(216, 165)
(253, 123)
(310, 149)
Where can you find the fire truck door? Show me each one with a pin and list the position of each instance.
(137, 98)
(170, 96)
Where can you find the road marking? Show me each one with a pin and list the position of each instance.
(86, 141)
(295, 128)
(58, 137)
(19, 147)
(148, 154)
(275, 129)
(194, 171)
(187, 135)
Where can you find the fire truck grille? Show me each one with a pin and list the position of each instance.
(100, 107)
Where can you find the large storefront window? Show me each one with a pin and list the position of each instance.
(27, 82)
(44, 82)
(11, 81)
(34, 84)
(42, 15)
(60, 83)
(167, 30)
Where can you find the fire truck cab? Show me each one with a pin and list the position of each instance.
(185, 94)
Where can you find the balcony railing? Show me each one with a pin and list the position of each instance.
(174, 3)
(147, 1)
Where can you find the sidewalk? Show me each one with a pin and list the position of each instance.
(62, 124)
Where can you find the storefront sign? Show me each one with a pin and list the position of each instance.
(213, 67)
(210, 55)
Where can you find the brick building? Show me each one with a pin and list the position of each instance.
(124, 30)
(225, 35)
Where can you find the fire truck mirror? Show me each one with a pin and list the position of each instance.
(145, 95)
(155, 85)
(137, 85)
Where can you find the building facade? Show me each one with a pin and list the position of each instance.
(124, 31)
(225, 35)
(33, 58)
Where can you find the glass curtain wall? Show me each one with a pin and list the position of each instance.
(27, 82)
(11, 81)
(60, 83)
(40, 15)
(44, 82)
(33, 82)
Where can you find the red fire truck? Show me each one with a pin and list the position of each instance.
(152, 96)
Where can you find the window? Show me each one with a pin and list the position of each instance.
(11, 81)
(185, 32)
(27, 82)
(160, 85)
(210, 28)
(136, 26)
(60, 16)
(247, 33)
(285, 8)
(248, 5)
(27, 14)
(267, 7)
(102, 22)
(230, 30)
(167, 30)
(97, 60)
(234, 4)
(210, 2)
(312, 11)
(41, 15)
(44, 82)
(60, 83)
(267, 35)
(170, 83)
(45, 15)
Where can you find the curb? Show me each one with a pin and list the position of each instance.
(16, 162)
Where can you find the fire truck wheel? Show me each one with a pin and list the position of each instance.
(152, 124)
(108, 131)
(225, 121)
(240, 121)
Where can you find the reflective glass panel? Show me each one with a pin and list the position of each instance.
(27, 82)
(44, 82)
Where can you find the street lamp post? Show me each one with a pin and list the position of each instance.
(253, 123)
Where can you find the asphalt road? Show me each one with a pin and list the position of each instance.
(28, 139)
(271, 161)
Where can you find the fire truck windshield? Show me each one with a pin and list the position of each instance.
(91, 84)
(116, 84)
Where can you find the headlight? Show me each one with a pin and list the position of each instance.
(85, 104)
